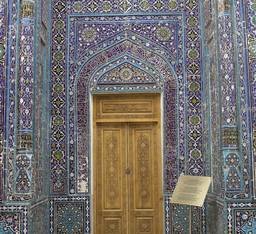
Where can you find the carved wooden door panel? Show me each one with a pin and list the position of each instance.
(145, 203)
(128, 179)
(111, 182)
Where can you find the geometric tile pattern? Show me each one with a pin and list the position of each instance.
(92, 40)
(234, 126)
(132, 46)
(251, 42)
(3, 48)
(11, 93)
(70, 215)
(58, 128)
(241, 218)
(230, 73)
(18, 97)
(245, 97)
(13, 219)
(96, 62)
(88, 34)
(82, 128)
(24, 115)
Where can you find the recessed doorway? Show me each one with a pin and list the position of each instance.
(127, 164)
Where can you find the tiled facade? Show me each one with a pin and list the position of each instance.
(201, 55)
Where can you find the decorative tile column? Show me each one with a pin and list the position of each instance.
(3, 48)
(13, 217)
(251, 43)
(24, 153)
(231, 152)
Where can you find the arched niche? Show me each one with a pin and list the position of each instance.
(154, 65)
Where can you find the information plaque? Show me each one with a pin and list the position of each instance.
(191, 190)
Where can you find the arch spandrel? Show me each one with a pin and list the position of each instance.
(126, 35)
(124, 74)
(127, 47)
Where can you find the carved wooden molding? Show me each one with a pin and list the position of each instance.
(126, 107)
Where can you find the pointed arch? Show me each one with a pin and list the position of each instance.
(87, 73)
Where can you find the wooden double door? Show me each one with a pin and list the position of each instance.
(127, 178)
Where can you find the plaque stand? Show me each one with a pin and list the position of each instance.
(191, 191)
